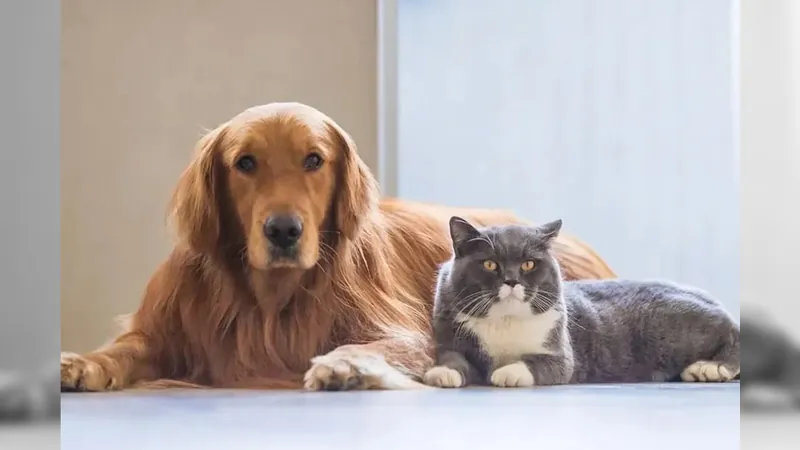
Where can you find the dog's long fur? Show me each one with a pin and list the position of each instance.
(219, 313)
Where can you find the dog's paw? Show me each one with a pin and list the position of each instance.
(81, 374)
(354, 367)
(441, 376)
(708, 371)
(335, 375)
(513, 375)
(345, 369)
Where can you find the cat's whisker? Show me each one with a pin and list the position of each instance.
(474, 295)
(479, 300)
(539, 297)
(478, 303)
(484, 239)
(547, 294)
(472, 301)
(486, 302)
(546, 297)
(572, 321)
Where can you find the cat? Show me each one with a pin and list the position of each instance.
(503, 316)
(772, 365)
(30, 396)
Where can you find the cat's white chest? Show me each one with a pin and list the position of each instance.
(511, 331)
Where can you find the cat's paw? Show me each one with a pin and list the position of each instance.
(708, 371)
(445, 377)
(79, 373)
(513, 375)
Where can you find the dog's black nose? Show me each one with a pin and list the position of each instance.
(283, 231)
(511, 283)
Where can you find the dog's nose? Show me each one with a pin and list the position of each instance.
(283, 231)
(511, 283)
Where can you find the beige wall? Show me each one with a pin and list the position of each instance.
(141, 80)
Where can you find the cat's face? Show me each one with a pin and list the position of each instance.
(506, 270)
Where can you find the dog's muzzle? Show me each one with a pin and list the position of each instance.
(283, 233)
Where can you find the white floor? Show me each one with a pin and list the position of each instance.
(652, 416)
(42, 436)
(770, 431)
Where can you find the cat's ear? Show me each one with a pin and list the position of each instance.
(461, 232)
(550, 230)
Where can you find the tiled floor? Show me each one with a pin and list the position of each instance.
(652, 416)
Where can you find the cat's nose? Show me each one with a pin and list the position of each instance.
(511, 283)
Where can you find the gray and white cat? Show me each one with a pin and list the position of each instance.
(503, 316)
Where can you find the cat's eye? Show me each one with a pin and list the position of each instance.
(528, 265)
(490, 265)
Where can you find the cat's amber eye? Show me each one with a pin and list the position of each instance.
(490, 265)
(528, 265)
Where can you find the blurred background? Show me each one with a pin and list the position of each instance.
(770, 160)
(770, 182)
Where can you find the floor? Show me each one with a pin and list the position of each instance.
(770, 431)
(664, 416)
(42, 436)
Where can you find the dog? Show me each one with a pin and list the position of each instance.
(289, 271)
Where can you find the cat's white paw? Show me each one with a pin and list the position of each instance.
(708, 371)
(513, 375)
(442, 376)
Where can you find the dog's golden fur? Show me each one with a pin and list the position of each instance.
(351, 312)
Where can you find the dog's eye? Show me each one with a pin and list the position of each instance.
(312, 162)
(246, 164)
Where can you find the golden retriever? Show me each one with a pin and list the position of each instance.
(289, 271)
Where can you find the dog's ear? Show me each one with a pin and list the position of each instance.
(196, 202)
(357, 193)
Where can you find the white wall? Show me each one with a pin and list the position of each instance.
(618, 118)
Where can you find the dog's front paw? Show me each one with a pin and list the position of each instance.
(513, 375)
(343, 369)
(81, 374)
(441, 376)
(708, 371)
(356, 367)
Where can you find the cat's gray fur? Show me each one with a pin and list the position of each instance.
(771, 364)
(29, 396)
(591, 331)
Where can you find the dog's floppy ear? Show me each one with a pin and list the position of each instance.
(356, 189)
(196, 202)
